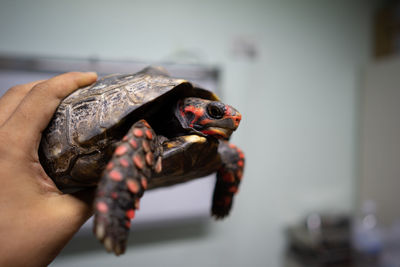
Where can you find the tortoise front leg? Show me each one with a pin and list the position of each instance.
(229, 176)
(123, 183)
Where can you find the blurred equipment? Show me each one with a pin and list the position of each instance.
(320, 240)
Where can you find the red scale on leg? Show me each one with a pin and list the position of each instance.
(144, 183)
(132, 186)
(110, 166)
(102, 207)
(115, 175)
(133, 143)
(138, 160)
(149, 135)
(137, 132)
(124, 163)
(146, 146)
(121, 150)
(149, 158)
(130, 214)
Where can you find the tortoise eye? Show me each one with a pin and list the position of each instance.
(215, 111)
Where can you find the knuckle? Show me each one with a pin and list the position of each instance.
(19, 89)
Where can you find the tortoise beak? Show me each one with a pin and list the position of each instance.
(225, 126)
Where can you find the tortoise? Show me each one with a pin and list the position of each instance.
(128, 133)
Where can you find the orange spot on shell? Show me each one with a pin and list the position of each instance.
(130, 214)
(137, 132)
(115, 175)
(114, 195)
(121, 150)
(138, 161)
(240, 163)
(102, 207)
(132, 186)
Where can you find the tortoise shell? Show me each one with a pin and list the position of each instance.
(80, 138)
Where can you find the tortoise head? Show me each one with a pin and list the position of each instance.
(208, 117)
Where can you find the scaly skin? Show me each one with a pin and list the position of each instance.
(123, 184)
(229, 177)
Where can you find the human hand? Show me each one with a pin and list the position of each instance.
(37, 220)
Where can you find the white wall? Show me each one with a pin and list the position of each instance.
(298, 99)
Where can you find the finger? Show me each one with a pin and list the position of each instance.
(36, 109)
(12, 98)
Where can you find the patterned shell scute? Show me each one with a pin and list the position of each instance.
(94, 109)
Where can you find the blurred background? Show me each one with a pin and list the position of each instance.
(317, 85)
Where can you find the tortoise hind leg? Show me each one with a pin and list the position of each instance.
(229, 176)
(123, 183)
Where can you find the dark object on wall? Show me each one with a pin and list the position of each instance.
(387, 30)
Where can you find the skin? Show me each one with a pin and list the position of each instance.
(37, 220)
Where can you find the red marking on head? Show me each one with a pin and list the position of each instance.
(237, 119)
(130, 214)
(228, 177)
(144, 183)
(241, 155)
(133, 143)
(232, 146)
(132, 186)
(149, 135)
(137, 132)
(138, 161)
(125, 138)
(240, 163)
(110, 166)
(137, 203)
(149, 159)
(114, 195)
(197, 112)
(124, 163)
(102, 207)
(128, 224)
(121, 150)
(215, 132)
(115, 175)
